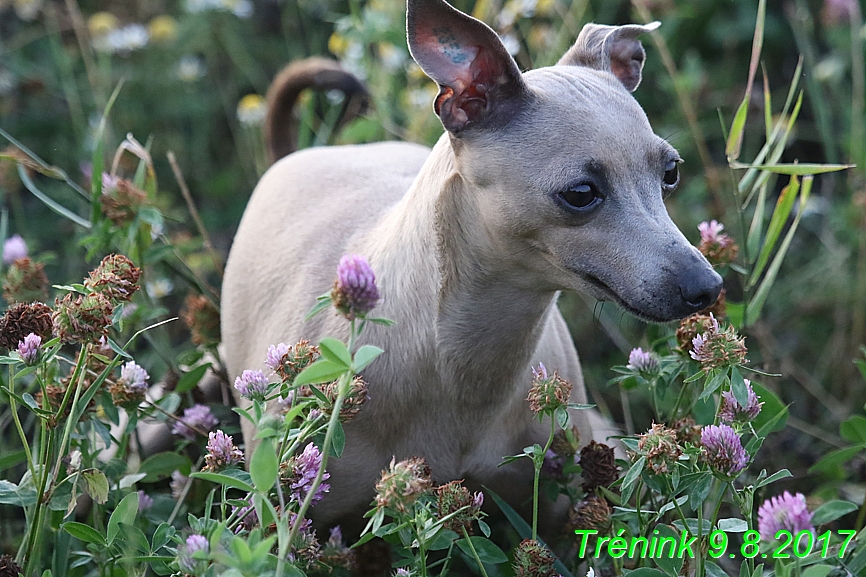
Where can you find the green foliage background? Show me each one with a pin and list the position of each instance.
(54, 86)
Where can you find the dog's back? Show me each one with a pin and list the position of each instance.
(296, 227)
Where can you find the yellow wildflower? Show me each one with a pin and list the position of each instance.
(163, 29)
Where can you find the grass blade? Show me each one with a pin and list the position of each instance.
(796, 169)
(755, 305)
(49, 202)
(784, 206)
(735, 137)
(748, 180)
(521, 526)
(99, 156)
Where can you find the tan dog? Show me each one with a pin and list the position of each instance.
(545, 181)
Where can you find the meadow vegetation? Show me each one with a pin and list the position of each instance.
(130, 140)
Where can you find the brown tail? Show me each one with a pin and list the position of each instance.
(281, 131)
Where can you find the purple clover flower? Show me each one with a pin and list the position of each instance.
(305, 467)
(355, 293)
(643, 361)
(14, 248)
(701, 350)
(28, 349)
(145, 501)
(478, 500)
(335, 538)
(731, 410)
(275, 355)
(553, 465)
(195, 417)
(193, 544)
(539, 373)
(109, 183)
(711, 231)
(252, 385)
(723, 451)
(134, 376)
(221, 452)
(177, 484)
(784, 512)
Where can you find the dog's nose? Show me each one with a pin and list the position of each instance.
(700, 290)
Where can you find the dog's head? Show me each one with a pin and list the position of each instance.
(561, 163)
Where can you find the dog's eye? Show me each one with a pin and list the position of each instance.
(672, 174)
(582, 197)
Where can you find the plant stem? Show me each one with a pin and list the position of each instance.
(342, 389)
(13, 407)
(38, 517)
(474, 552)
(422, 556)
(537, 464)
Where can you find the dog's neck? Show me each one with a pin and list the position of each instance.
(486, 323)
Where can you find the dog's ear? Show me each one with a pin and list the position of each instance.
(614, 49)
(475, 72)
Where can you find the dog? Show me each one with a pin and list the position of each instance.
(543, 181)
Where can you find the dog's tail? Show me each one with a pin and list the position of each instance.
(281, 131)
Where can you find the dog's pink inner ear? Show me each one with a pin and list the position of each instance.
(614, 49)
(466, 58)
(626, 62)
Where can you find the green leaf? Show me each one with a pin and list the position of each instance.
(630, 480)
(795, 169)
(700, 490)
(124, 513)
(190, 380)
(442, 541)
(322, 371)
(778, 475)
(522, 527)
(364, 356)
(817, 571)
(336, 352)
(486, 550)
(735, 136)
(562, 417)
(715, 379)
(732, 525)
(95, 484)
(669, 565)
(162, 536)
(829, 461)
(854, 430)
(784, 206)
(223, 479)
(162, 465)
(647, 572)
(264, 466)
(338, 440)
(832, 510)
(49, 202)
(12, 494)
(322, 303)
(83, 532)
(773, 409)
(113, 344)
(134, 536)
(714, 570)
(738, 387)
(757, 303)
